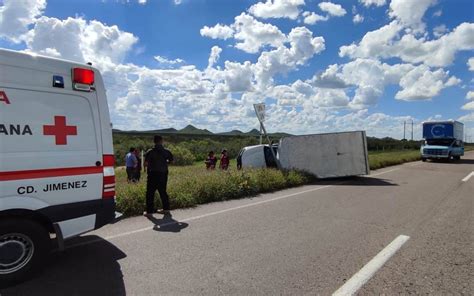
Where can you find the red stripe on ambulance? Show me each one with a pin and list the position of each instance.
(49, 173)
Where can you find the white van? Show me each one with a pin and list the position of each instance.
(56, 158)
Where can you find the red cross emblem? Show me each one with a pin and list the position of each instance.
(60, 130)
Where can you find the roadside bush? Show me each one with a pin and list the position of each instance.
(182, 156)
(192, 185)
(381, 160)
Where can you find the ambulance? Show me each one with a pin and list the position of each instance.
(56, 158)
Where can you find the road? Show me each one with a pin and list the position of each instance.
(302, 241)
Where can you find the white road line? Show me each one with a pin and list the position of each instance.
(368, 271)
(211, 213)
(468, 177)
(381, 173)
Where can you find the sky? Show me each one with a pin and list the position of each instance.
(319, 66)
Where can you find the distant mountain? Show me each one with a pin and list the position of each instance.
(158, 131)
(166, 130)
(232, 133)
(253, 132)
(192, 130)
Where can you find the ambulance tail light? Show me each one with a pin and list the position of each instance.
(109, 177)
(82, 79)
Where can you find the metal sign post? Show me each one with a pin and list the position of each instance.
(260, 111)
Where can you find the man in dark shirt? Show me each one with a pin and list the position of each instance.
(156, 162)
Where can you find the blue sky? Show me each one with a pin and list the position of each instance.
(396, 61)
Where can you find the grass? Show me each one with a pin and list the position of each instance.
(189, 186)
(383, 159)
(193, 185)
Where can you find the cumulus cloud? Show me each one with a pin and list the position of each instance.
(165, 61)
(470, 95)
(332, 9)
(374, 43)
(410, 13)
(369, 77)
(468, 106)
(79, 40)
(470, 64)
(17, 15)
(357, 19)
(214, 56)
(440, 30)
(421, 83)
(385, 43)
(217, 32)
(311, 18)
(303, 46)
(330, 78)
(277, 9)
(253, 35)
(368, 3)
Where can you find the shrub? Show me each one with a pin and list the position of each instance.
(192, 185)
(182, 156)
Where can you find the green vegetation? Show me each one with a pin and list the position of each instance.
(192, 185)
(191, 142)
(379, 160)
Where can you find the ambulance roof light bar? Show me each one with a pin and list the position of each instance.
(82, 79)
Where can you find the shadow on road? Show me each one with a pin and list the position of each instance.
(167, 224)
(461, 161)
(91, 269)
(355, 181)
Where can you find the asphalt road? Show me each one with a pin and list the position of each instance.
(303, 241)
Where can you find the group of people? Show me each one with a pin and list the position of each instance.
(211, 161)
(156, 165)
(133, 163)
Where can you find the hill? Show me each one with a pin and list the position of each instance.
(192, 130)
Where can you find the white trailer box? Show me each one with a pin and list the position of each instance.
(326, 155)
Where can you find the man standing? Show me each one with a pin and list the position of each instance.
(131, 165)
(156, 162)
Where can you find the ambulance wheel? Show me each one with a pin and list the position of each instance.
(24, 246)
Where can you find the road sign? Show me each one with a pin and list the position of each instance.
(260, 111)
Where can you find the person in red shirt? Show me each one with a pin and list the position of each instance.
(224, 164)
(211, 161)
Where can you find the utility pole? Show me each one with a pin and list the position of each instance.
(412, 129)
(404, 129)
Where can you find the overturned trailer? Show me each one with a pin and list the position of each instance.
(327, 155)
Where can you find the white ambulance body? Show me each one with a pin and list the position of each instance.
(56, 157)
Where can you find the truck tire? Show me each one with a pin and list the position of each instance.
(423, 159)
(457, 157)
(24, 246)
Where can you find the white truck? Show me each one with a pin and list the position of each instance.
(323, 155)
(56, 158)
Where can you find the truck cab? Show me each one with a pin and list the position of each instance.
(257, 156)
(442, 140)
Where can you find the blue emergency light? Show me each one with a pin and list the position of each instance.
(58, 81)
